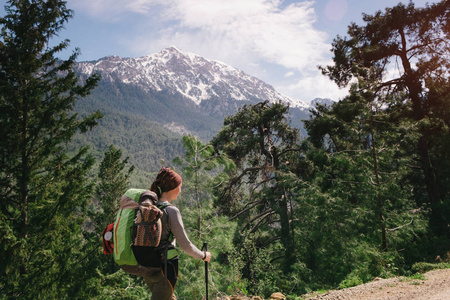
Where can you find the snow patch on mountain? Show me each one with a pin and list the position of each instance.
(174, 127)
(196, 78)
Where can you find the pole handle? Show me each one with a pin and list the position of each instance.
(205, 248)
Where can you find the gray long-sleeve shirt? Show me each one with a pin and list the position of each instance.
(174, 224)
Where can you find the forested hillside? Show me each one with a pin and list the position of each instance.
(147, 143)
(366, 194)
(147, 123)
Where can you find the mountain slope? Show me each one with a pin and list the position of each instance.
(173, 92)
(190, 75)
(173, 86)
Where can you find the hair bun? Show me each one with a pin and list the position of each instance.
(167, 180)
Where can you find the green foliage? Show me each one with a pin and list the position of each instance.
(371, 158)
(413, 279)
(199, 164)
(44, 190)
(350, 281)
(423, 267)
(416, 276)
(263, 146)
(218, 233)
(117, 285)
(113, 182)
(366, 195)
(253, 264)
(414, 101)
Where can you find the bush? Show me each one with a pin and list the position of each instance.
(422, 267)
(350, 281)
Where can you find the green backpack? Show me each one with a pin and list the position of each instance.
(131, 233)
(123, 254)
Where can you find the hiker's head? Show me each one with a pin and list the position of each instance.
(166, 181)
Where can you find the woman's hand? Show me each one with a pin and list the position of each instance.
(207, 256)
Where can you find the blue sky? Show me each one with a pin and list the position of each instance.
(280, 42)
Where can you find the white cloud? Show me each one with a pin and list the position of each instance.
(314, 86)
(247, 34)
(289, 74)
(108, 10)
(255, 29)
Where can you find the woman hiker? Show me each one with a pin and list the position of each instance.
(167, 187)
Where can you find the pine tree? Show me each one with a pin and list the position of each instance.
(262, 144)
(44, 189)
(113, 182)
(199, 163)
(415, 42)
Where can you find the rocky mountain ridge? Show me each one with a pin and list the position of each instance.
(150, 102)
(192, 76)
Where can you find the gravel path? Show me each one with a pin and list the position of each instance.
(435, 286)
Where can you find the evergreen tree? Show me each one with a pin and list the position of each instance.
(199, 163)
(262, 144)
(113, 182)
(44, 190)
(101, 270)
(367, 148)
(417, 40)
(359, 172)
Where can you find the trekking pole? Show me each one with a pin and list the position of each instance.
(205, 248)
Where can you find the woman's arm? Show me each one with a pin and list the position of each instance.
(177, 228)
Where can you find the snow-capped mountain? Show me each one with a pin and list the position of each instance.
(149, 102)
(322, 101)
(192, 76)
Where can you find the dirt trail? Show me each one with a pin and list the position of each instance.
(435, 286)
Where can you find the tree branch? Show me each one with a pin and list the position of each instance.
(275, 258)
(400, 227)
(267, 212)
(253, 204)
(259, 222)
(234, 180)
(271, 240)
(288, 150)
(244, 172)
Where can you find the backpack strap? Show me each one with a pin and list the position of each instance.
(170, 239)
(161, 207)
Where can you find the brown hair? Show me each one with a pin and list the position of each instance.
(165, 181)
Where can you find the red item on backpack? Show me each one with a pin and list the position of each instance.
(108, 244)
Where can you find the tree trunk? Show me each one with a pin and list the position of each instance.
(419, 113)
(25, 175)
(437, 220)
(286, 238)
(197, 197)
(411, 81)
(378, 182)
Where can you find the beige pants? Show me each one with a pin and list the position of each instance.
(156, 281)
